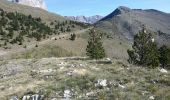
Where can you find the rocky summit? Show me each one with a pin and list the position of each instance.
(33, 3)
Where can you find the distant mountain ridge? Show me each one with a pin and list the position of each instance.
(126, 22)
(84, 19)
(33, 3)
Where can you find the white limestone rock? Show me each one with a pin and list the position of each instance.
(101, 82)
(122, 86)
(67, 93)
(151, 98)
(33, 3)
(163, 70)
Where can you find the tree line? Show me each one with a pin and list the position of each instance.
(144, 52)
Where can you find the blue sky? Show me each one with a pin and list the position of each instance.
(102, 7)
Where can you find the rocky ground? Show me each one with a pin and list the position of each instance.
(80, 78)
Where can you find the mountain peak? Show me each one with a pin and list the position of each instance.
(118, 11)
(127, 22)
(124, 8)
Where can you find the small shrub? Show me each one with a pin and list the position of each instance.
(36, 45)
(73, 37)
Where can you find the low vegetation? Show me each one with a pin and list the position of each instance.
(69, 78)
(45, 51)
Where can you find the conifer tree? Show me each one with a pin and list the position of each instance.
(94, 48)
(164, 56)
(145, 50)
(152, 55)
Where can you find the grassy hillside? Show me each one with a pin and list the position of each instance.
(27, 10)
(17, 28)
(39, 60)
(44, 51)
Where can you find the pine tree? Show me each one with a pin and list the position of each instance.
(164, 56)
(132, 57)
(152, 55)
(94, 48)
(145, 50)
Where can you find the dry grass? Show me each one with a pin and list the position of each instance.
(53, 76)
(44, 51)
